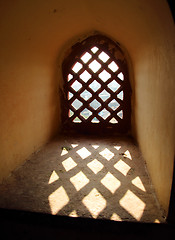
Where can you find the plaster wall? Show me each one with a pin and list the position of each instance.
(155, 101)
(35, 36)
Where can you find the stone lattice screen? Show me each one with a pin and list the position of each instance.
(96, 87)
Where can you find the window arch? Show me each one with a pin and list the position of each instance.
(97, 92)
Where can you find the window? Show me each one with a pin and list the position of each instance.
(96, 87)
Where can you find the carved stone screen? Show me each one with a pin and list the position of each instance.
(96, 91)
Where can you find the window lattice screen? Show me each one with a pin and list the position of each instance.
(96, 87)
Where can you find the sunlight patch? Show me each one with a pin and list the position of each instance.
(68, 164)
(57, 200)
(54, 177)
(138, 183)
(115, 217)
(73, 214)
(64, 152)
(117, 147)
(95, 166)
(84, 153)
(94, 202)
(74, 145)
(128, 155)
(133, 204)
(107, 154)
(79, 180)
(122, 167)
(95, 146)
(111, 182)
(156, 221)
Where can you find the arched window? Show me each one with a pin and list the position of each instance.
(96, 87)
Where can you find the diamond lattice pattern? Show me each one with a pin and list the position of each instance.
(95, 78)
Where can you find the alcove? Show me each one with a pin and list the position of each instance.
(32, 52)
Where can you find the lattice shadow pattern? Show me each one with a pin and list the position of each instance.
(96, 178)
(100, 182)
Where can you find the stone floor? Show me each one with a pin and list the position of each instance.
(84, 177)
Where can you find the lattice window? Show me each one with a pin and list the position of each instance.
(96, 87)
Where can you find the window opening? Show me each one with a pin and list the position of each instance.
(96, 87)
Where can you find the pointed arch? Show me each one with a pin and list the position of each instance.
(97, 92)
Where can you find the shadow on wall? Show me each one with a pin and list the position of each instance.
(83, 179)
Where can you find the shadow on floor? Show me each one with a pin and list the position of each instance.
(84, 177)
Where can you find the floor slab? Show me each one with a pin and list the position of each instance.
(84, 176)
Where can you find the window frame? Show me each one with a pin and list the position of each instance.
(114, 50)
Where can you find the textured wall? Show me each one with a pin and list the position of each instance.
(35, 35)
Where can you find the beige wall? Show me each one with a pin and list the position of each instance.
(155, 101)
(35, 35)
